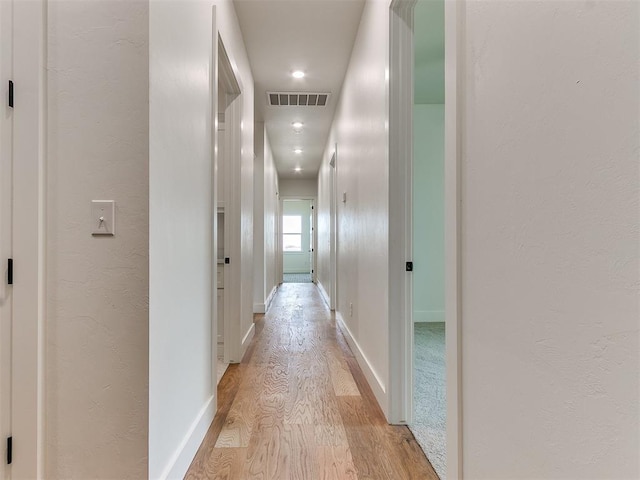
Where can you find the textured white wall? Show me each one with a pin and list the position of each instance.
(181, 387)
(272, 214)
(180, 374)
(428, 213)
(96, 365)
(360, 130)
(265, 210)
(304, 187)
(550, 212)
(259, 208)
(323, 216)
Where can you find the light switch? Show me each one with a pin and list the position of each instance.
(103, 217)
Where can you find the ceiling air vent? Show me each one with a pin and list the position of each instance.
(290, 99)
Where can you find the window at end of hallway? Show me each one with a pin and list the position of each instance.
(292, 233)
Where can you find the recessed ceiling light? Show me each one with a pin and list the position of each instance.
(298, 169)
(297, 124)
(297, 150)
(298, 74)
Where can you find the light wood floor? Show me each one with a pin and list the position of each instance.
(298, 407)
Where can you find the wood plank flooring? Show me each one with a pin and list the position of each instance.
(298, 407)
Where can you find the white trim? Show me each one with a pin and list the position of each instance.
(400, 202)
(333, 228)
(264, 307)
(280, 253)
(376, 384)
(233, 345)
(401, 65)
(323, 293)
(428, 316)
(29, 237)
(186, 451)
(216, 207)
(270, 298)
(248, 337)
(454, 30)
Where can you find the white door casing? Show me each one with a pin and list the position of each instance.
(400, 203)
(6, 200)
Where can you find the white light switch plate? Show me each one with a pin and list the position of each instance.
(103, 217)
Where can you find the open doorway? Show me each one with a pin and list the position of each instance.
(297, 241)
(428, 306)
(228, 305)
(424, 211)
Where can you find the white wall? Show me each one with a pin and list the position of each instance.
(303, 187)
(359, 129)
(181, 385)
(428, 213)
(550, 240)
(265, 211)
(323, 220)
(271, 221)
(96, 365)
(258, 220)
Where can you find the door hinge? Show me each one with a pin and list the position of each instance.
(409, 267)
(11, 93)
(9, 450)
(227, 260)
(10, 271)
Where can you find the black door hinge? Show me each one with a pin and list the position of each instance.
(409, 267)
(227, 260)
(11, 93)
(10, 271)
(9, 450)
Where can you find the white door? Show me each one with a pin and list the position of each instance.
(6, 198)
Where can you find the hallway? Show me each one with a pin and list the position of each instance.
(298, 407)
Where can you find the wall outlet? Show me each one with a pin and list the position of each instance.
(351, 309)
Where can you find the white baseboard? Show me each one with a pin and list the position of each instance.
(270, 298)
(186, 451)
(324, 294)
(422, 316)
(377, 385)
(264, 307)
(247, 338)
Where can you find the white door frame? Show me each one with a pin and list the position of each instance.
(29, 177)
(333, 228)
(6, 208)
(228, 77)
(314, 235)
(401, 76)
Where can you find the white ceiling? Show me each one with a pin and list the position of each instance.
(315, 36)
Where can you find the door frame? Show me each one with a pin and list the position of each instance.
(401, 79)
(314, 233)
(333, 228)
(228, 78)
(6, 208)
(29, 217)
